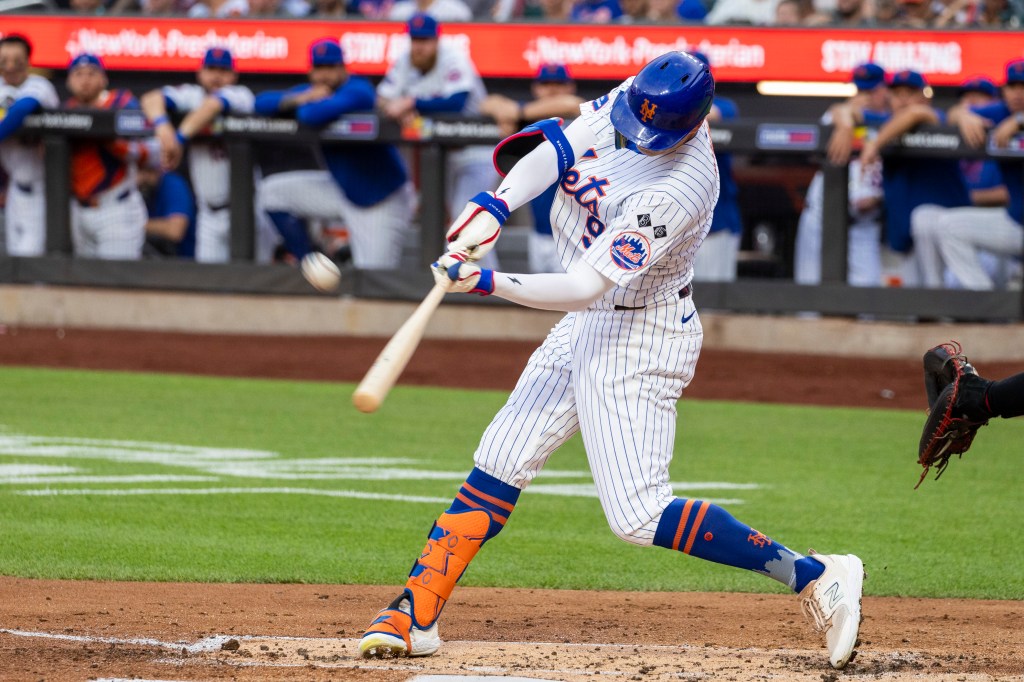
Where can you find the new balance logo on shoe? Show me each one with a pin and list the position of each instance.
(834, 595)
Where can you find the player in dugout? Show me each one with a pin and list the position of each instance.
(108, 215)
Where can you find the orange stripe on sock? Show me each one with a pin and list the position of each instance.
(493, 500)
(476, 505)
(696, 524)
(682, 524)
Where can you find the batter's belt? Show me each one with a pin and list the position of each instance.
(683, 293)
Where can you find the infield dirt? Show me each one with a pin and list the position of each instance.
(82, 630)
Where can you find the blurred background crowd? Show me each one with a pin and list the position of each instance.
(848, 13)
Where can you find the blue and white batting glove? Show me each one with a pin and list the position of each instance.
(455, 275)
(476, 230)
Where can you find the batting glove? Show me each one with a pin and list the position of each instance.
(475, 231)
(458, 276)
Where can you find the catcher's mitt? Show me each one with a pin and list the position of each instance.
(954, 389)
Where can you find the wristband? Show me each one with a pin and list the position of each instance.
(160, 120)
(493, 205)
(182, 140)
(485, 284)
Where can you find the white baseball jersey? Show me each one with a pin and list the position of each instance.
(454, 72)
(209, 169)
(442, 10)
(469, 170)
(24, 162)
(25, 212)
(614, 371)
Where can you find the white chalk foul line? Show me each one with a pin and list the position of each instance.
(206, 644)
(356, 494)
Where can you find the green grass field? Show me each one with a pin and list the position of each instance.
(154, 477)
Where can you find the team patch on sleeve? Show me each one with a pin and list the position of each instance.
(630, 251)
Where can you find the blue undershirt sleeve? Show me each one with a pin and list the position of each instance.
(16, 116)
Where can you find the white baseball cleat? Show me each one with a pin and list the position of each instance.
(833, 603)
(392, 634)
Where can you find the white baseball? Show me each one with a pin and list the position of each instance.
(320, 271)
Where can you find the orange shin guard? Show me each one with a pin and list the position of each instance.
(443, 561)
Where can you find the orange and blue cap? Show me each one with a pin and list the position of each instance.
(218, 58)
(908, 79)
(326, 52)
(979, 84)
(86, 59)
(868, 76)
(423, 26)
(553, 73)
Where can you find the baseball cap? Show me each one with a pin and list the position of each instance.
(691, 10)
(868, 76)
(86, 59)
(1015, 71)
(908, 79)
(423, 26)
(218, 58)
(553, 73)
(326, 52)
(979, 84)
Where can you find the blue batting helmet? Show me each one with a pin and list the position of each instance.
(665, 102)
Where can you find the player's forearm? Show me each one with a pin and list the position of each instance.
(567, 292)
(16, 116)
(172, 227)
(905, 121)
(201, 117)
(990, 196)
(153, 105)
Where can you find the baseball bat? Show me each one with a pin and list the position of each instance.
(384, 372)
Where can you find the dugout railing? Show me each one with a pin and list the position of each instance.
(434, 137)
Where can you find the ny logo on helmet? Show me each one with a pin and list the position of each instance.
(647, 110)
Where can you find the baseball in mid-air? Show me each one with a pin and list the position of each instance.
(320, 271)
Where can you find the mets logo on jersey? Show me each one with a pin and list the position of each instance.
(630, 251)
(647, 110)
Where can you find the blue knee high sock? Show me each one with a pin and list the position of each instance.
(705, 530)
(293, 232)
(483, 491)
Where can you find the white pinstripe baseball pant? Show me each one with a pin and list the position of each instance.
(955, 236)
(25, 219)
(375, 232)
(614, 376)
(113, 229)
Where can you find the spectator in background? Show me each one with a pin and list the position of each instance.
(964, 233)
(438, 78)
(439, 10)
(915, 14)
(365, 185)
(716, 259)
(219, 9)
(633, 11)
(691, 11)
(863, 254)
(266, 9)
(554, 95)
(557, 11)
(886, 12)
(662, 12)
(997, 14)
(171, 225)
(21, 94)
(215, 92)
(742, 12)
(787, 13)
(851, 13)
(88, 6)
(108, 215)
(595, 11)
(911, 185)
(335, 9)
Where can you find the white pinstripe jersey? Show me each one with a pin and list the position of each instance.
(454, 72)
(208, 159)
(24, 161)
(636, 219)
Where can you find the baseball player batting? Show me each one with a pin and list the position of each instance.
(108, 215)
(22, 94)
(637, 187)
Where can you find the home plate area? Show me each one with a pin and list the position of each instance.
(521, 661)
